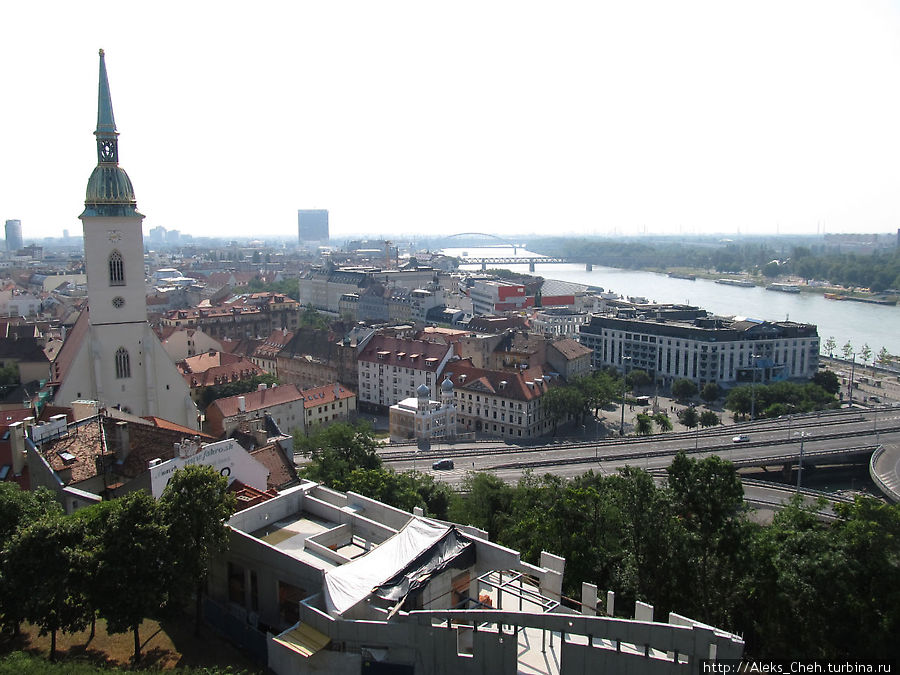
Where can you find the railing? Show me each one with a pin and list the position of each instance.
(888, 491)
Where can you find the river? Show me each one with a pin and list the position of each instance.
(860, 323)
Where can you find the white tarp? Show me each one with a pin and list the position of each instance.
(352, 582)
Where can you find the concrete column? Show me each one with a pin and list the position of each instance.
(588, 599)
(610, 603)
(643, 611)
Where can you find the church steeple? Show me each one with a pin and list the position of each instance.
(109, 190)
(107, 143)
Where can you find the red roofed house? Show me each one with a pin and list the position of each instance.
(392, 368)
(213, 368)
(289, 407)
(500, 403)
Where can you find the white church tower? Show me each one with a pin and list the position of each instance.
(113, 356)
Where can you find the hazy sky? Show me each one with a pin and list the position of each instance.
(418, 117)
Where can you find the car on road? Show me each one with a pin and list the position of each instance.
(442, 464)
(741, 438)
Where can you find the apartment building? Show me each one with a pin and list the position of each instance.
(500, 403)
(675, 342)
(392, 368)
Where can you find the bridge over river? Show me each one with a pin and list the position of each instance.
(521, 260)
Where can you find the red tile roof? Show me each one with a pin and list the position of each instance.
(171, 426)
(258, 400)
(281, 469)
(327, 393)
(466, 377)
(403, 352)
(212, 368)
(67, 353)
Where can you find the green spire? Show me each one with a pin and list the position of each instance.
(106, 123)
(109, 190)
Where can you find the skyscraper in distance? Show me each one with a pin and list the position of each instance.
(13, 235)
(312, 225)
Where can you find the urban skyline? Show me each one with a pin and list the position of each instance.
(593, 119)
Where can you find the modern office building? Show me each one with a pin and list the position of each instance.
(672, 342)
(13, 235)
(312, 225)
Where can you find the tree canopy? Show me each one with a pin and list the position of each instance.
(194, 506)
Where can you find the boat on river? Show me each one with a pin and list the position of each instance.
(783, 288)
(744, 283)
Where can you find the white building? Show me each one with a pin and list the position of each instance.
(680, 342)
(392, 369)
(492, 297)
(112, 355)
(423, 419)
(340, 583)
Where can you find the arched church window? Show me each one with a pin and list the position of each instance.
(123, 363)
(116, 269)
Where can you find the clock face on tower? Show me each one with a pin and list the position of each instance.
(115, 236)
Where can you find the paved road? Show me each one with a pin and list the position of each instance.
(857, 431)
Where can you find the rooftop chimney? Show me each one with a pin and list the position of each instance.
(242, 404)
(17, 447)
(123, 440)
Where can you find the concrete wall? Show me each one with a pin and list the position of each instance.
(493, 652)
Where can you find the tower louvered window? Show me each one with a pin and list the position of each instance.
(116, 269)
(123, 363)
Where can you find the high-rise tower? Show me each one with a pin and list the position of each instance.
(13, 235)
(112, 355)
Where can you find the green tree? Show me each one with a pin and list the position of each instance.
(771, 269)
(828, 380)
(739, 400)
(43, 565)
(829, 346)
(847, 350)
(711, 392)
(651, 564)
(884, 357)
(312, 318)
(643, 424)
(195, 506)
(636, 379)
(560, 403)
(18, 507)
(486, 504)
(709, 419)
(688, 417)
(133, 563)
(708, 497)
(336, 450)
(214, 392)
(866, 353)
(684, 389)
(662, 421)
(598, 390)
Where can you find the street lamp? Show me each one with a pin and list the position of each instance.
(850, 385)
(803, 435)
(753, 360)
(625, 361)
